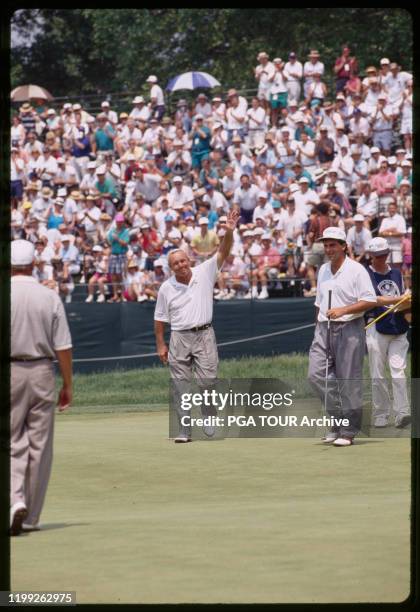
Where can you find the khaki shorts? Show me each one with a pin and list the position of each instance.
(316, 256)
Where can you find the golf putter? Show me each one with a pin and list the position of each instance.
(327, 355)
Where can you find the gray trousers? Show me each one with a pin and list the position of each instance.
(31, 434)
(191, 355)
(345, 371)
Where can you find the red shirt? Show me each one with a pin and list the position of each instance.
(147, 243)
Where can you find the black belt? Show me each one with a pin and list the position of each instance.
(198, 328)
(30, 359)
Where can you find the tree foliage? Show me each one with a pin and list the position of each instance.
(109, 50)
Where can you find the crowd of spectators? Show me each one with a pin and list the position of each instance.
(106, 197)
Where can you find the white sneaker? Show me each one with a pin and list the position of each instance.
(329, 437)
(380, 421)
(89, 299)
(68, 298)
(18, 514)
(27, 527)
(254, 292)
(181, 439)
(142, 298)
(101, 299)
(248, 295)
(343, 441)
(264, 294)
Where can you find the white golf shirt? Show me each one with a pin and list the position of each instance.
(350, 284)
(187, 306)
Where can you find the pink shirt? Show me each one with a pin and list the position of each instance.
(383, 183)
(269, 257)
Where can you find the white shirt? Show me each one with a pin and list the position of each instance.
(238, 112)
(359, 241)
(263, 73)
(187, 306)
(257, 119)
(180, 197)
(309, 69)
(156, 92)
(350, 284)
(368, 205)
(397, 222)
(246, 198)
(141, 113)
(294, 70)
(305, 201)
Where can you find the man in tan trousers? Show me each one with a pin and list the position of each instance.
(185, 302)
(39, 333)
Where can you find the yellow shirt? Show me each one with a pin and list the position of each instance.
(205, 244)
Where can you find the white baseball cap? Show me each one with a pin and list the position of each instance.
(385, 60)
(378, 246)
(263, 194)
(138, 100)
(198, 116)
(303, 179)
(22, 252)
(203, 221)
(177, 179)
(358, 217)
(104, 103)
(333, 233)
(151, 79)
(375, 150)
(158, 262)
(405, 163)
(91, 165)
(258, 231)
(266, 236)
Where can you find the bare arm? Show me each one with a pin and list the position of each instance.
(360, 306)
(161, 346)
(226, 244)
(65, 362)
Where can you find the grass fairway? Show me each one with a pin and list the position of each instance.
(131, 517)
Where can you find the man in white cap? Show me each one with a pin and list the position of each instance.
(110, 114)
(157, 100)
(264, 73)
(358, 239)
(179, 160)
(185, 301)
(387, 339)
(140, 109)
(343, 342)
(206, 243)
(39, 334)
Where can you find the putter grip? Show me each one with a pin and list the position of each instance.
(329, 298)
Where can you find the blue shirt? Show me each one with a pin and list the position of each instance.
(113, 236)
(103, 141)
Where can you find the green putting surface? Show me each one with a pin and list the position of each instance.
(131, 517)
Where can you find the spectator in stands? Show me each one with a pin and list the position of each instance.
(100, 276)
(236, 115)
(358, 240)
(294, 70)
(204, 244)
(345, 66)
(268, 266)
(393, 228)
(157, 100)
(312, 66)
(104, 136)
(118, 238)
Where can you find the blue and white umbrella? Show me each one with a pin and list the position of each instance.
(192, 80)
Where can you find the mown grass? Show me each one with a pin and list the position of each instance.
(148, 388)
